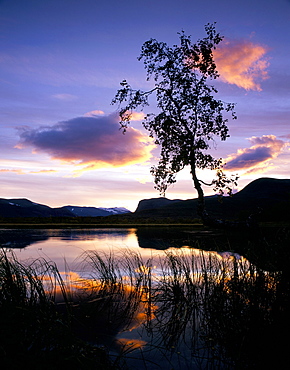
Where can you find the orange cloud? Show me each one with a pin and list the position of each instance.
(144, 179)
(242, 63)
(137, 116)
(257, 157)
(18, 171)
(43, 171)
(22, 172)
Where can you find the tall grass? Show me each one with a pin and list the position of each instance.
(34, 333)
(199, 311)
(221, 313)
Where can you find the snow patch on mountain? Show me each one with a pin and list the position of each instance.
(115, 210)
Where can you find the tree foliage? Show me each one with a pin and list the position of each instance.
(189, 117)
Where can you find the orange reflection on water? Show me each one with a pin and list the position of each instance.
(128, 345)
(80, 290)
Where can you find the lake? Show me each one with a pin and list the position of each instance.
(66, 246)
(174, 338)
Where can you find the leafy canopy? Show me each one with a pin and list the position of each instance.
(188, 117)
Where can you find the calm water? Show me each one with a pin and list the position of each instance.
(65, 247)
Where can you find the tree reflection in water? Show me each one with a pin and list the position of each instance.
(200, 311)
(187, 309)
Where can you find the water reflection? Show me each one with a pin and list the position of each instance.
(200, 300)
(21, 238)
(162, 238)
(159, 238)
(64, 246)
(266, 248)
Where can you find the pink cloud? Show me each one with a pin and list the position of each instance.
(242, 63)
(94, 113)
(90, 142)
(256, 157)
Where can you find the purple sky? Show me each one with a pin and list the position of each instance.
(61, 62)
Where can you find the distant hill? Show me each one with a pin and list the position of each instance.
(154, 203)
(26, 208)
(267, 196)
(270, 197)
(95, 212)
(266, 188)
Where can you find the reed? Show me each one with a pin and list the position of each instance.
(34, 334)
(221, 313)
(199, 311)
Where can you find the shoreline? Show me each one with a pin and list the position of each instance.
(90, 225)
(59, 225)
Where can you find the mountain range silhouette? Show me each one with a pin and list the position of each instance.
(268, 197)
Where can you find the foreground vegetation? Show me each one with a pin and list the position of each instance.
(196, 310)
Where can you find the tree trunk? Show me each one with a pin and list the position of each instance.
(206, 218)
(201, 210)
(201, 203)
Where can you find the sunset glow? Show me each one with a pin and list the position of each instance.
(242, 63)
(62, 63)
(257, 157)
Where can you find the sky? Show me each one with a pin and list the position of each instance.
(62, 61)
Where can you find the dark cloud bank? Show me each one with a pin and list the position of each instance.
(262, 150)
(93, 141)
